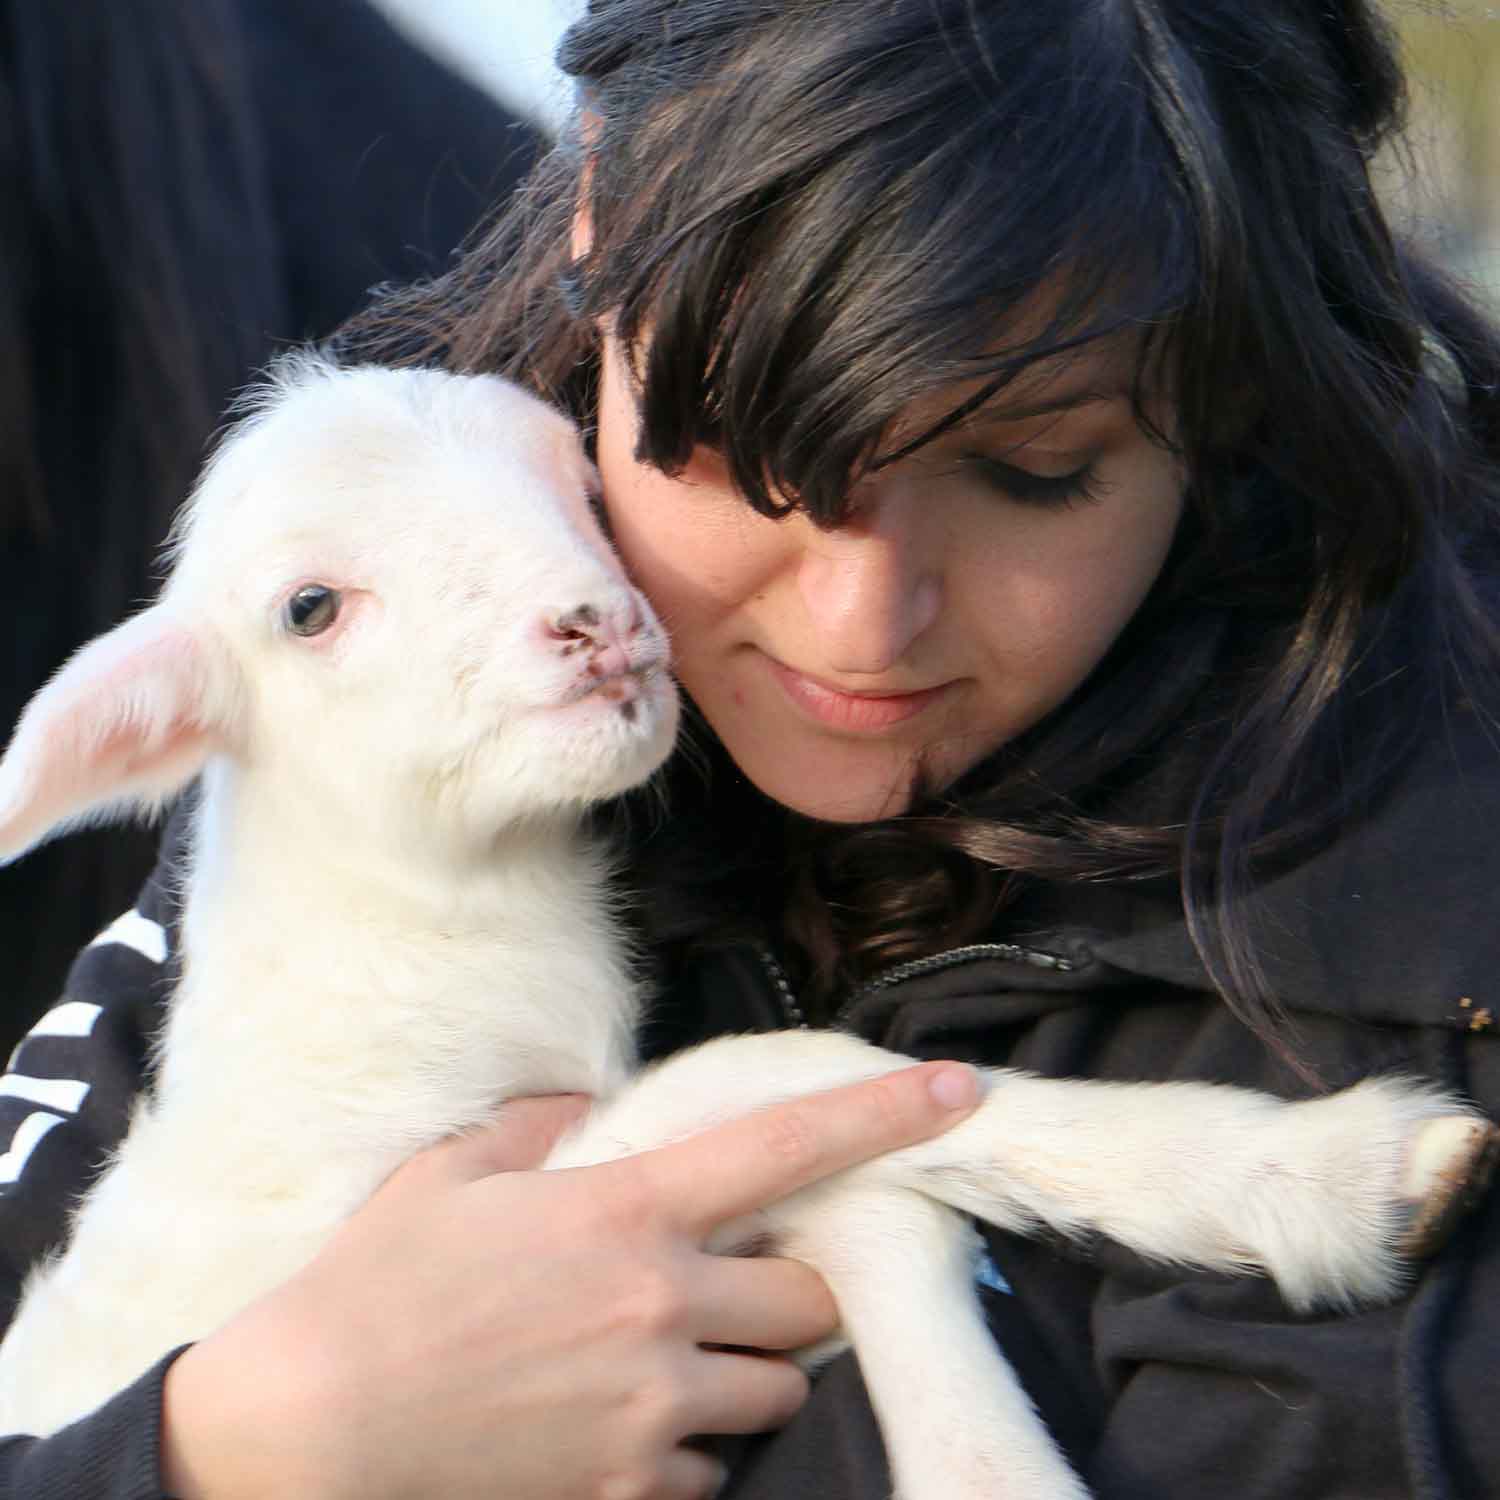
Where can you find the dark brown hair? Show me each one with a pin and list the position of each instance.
(812, 205)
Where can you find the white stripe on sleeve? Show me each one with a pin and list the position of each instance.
(146, 937)
(71, 1018)
(66, 1094)
(24, 1142)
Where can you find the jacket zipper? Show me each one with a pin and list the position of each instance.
(791, 1012)
(915, 968)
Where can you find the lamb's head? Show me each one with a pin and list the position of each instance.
(390, 607)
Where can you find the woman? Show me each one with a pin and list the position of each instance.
(1074, 515)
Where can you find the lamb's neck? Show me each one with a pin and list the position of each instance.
(301, 867)
(509, 971)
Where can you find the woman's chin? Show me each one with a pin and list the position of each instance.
(834, 794)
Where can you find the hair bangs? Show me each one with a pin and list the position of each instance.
(840, 253)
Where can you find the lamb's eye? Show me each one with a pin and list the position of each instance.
(311, 610)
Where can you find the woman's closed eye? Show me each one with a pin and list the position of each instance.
(1081, 486)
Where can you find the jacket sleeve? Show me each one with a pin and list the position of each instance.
(112, 1454)
(65, 1101)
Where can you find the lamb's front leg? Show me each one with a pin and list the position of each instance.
(1329, 1196)
(956, 1422)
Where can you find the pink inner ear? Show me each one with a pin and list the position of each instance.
(123, 759)
(129, 720)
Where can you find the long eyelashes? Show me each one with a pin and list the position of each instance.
(1084, 486)
(1059, 491)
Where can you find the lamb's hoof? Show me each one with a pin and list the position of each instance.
(1450, 1167)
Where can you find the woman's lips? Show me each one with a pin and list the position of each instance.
(865, 713)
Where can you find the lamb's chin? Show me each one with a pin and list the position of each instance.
(607, 743)
(566, 756)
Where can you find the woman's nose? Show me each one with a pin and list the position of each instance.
(869, 588)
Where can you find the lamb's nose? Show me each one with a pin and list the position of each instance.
(604, 634)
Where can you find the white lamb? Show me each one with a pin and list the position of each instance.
(401, 656)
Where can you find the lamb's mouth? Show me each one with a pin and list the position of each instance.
(634, 691)
(624, 688)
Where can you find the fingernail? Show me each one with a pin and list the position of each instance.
(954, 1086)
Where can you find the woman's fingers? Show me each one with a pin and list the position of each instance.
(518, 1139)
(763, 1303)
(737, 1394)
(750, 1162)
(687, 1474)
(446, 1312)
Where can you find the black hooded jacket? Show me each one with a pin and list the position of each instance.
(1163, 1384)
(1166, 1384)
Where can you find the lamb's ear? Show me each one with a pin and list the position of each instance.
(127, 722)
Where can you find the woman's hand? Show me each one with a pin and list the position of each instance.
(482, 1330)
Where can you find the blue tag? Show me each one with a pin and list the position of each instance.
(987, 1273)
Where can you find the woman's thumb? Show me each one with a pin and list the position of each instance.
(518, 1138)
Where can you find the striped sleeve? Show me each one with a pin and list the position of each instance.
(68, 1089)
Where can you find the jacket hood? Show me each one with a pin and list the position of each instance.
(1395, 920)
